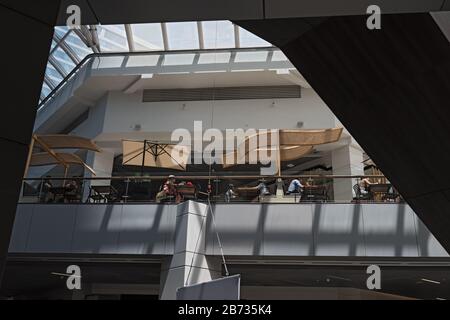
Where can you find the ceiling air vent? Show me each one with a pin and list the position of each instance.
(229, 93)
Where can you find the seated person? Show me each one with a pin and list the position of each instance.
(392, 195)
(189, 184)
(186, 190)
(295, 187)
(169, 191)
(71, 185)
(230, 194)
(71, 191)
(46, 195)
(262, 188)
(364, 184)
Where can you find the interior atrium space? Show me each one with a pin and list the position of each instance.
(230, 155)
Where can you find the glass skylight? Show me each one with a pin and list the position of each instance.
(148, 37)
(248, 39)
(112, 38)
(52, 74)
(63, 60)
(70, 47)
(183, 35)
(218, 34)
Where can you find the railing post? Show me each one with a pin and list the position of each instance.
(40, 190)
(127, 184)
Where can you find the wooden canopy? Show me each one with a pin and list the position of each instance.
(50, 143)
(45, 159)
(63, 141)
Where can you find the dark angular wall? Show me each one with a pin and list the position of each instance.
(26, 30)
(390, 88)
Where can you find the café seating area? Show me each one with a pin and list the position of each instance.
(135, 189)
(380, 192)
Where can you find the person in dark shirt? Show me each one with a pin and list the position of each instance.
(46, 195)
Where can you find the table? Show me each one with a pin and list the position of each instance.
(379, 190)
(247, 193)
(315, 193)
(103, 193)
(57, 192)
(187, 192)
(65, 194)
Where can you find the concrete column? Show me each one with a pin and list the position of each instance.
(102, 163)
(189, 265)
(346, 161)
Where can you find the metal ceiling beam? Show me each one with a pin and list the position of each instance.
(94, 36)
(130, 38)
(165, 37)
(82, 37)
(58, 40)
(67, 49)
(237, 38)
(85, 35)
(49, 83)
(201, 38)
(57, 66)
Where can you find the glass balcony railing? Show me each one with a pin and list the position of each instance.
(217, 189)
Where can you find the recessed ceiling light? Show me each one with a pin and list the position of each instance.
(430, 281)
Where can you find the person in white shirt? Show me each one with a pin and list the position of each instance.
(295, 187)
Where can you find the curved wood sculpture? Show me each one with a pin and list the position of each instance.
(289, 153)
(292, 144)
(309, 137)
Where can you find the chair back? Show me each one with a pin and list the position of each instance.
(357, 190)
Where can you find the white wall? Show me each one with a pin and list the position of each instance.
(94, 125)
(125, 111)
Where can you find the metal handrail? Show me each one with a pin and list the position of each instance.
(205, 177)
(115, 191)
(113, 54)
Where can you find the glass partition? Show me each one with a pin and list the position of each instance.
(217, 189)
